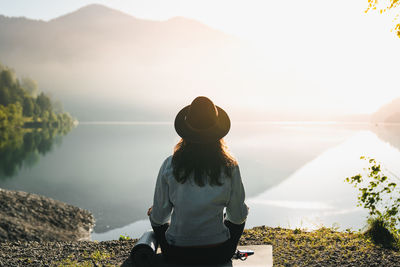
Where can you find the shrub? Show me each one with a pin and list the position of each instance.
(379, 194)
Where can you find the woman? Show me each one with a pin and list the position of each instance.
(194, 186)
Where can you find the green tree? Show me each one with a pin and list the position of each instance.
(15, 116)
(52, 119)
(37, 111)
(45, 116)
(4, 94)
(43, 101)
(7, 78)
(10, 90)
(3, 117)
(28, 107)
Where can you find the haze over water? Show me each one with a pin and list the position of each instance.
(293, 173)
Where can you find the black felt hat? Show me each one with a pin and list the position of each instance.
(202, 121)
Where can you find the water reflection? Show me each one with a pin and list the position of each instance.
(389, 133)
(317, 194)
(21, 148)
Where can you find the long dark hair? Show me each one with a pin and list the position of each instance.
(203, 160)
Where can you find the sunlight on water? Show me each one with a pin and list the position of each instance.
(306, 205)
(317, 194)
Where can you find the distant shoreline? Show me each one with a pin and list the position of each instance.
(124, 123)
(239, 122)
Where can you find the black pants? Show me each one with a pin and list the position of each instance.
(208, 255)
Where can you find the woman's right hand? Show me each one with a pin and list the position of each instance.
(149, 211)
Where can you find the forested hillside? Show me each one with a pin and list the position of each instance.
(389, 113)
(22, 105)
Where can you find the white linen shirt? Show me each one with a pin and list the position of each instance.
(196, 213)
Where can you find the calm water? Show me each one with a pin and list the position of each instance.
(293, 173)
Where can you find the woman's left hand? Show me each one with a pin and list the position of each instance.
(149, 211)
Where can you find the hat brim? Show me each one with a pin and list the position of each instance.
(212, 134)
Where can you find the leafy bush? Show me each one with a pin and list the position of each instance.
(380, 195)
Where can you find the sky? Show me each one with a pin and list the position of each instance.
(328, 45)
(231, 16)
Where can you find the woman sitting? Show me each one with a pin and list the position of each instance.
(194, 186)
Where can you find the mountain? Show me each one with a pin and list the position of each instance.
(107, 65)
(96, 30)
(389, 113)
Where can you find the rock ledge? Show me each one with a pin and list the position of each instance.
(30, 217)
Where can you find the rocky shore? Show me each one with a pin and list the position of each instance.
(31, 217)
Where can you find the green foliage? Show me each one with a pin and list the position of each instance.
(28, 107)
(124, 237)
(20, 104)
(100, 255)
(297, 231)
(96, 258)
(385, 6)
(11, 116)
(379, 194)
(3, 117)
(43, 101)
(379, 232)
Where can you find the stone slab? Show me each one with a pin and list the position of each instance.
(262, 258)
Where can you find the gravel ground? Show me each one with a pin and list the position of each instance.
(323, 247)
(78, 253)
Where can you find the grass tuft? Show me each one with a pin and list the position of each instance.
(379, 233)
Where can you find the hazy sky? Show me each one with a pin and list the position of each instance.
(330, 45)
(232, 16)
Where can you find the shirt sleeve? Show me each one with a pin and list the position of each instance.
(162, 207)
(236, 209)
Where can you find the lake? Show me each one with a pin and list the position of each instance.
(293, 173)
